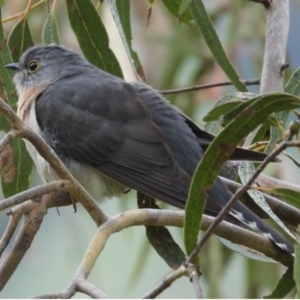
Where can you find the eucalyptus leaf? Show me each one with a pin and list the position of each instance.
(220, 150)
(16, 164)
(206, 27)
(94, 44)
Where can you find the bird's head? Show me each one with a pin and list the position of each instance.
(43, 65)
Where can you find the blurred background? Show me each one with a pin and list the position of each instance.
(173, 56)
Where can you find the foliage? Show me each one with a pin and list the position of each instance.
(191, 27)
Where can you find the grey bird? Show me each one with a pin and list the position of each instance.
(112, 134)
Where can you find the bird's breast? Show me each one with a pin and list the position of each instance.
(97, 184)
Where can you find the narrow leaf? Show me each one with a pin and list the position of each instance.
(161, 239)
(50, 30)
(296, 162)
(173, 7)
(297, 270)
(121, 14)
(15, 163)
(289, 195)
(284, 285)
(221, 149)
(247, 107)
(92, 36)
(183, 7)
(246, 170)
(206, 27)
(214, 127)
(220, 110)
(19, 39)
(293, 85)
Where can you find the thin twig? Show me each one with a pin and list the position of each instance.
(9, 231)
(20, 14)
(235, 197)
(277, 30)
(207, 86)
(62, 185)
(29, 228)
(156, 217)
(194, 277)
(28, 8)
(89, 289)
(7, 138)
(15, 214)
(181, 271)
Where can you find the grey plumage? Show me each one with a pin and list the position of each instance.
(120, 132)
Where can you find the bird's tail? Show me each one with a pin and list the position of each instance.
(244, 215)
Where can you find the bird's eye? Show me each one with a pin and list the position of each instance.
(33, 66)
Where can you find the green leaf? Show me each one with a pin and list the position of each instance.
(293, 85)
(160, 238)
(247, 107)
(296, 162)
(183, 7)
(284, 285)
(206, 27)
(162, 241)
(214, 127)
(289, 195)
(15, 160)
(121, 13)
(92, 36)
(262, 134)
(173, 6)
(220, 110)
(272, 121)
(297, 270)
(221, 149)
(16, 167)
(19, 39)
(50, 30)
(246, 169)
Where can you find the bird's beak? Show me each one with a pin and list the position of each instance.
(13, 66)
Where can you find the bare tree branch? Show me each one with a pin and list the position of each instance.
(29, 227)
(275, 51)
(35, 192)
(8, 137)
(162, 218)
(207, 86)
(89, 289)
(194, 277)
(166, 282)
(271, 182)
(275, 46)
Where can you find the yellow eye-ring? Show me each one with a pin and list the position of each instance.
(33, 66)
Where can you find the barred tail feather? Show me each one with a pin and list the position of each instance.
(244, 215)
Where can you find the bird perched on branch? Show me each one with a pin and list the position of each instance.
(112, 134)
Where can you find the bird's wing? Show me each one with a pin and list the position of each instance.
(105, 126)
(240, 154)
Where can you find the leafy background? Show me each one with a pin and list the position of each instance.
(172, 56)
